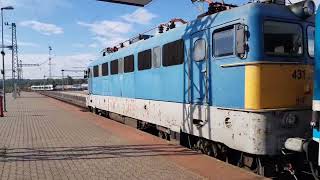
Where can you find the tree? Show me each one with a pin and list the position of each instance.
(69, 80)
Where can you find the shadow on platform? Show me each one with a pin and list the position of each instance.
(91, 152)
(84, 110)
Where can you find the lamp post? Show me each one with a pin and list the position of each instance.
(3, 54)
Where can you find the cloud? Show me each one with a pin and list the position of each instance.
(93, 45)
(27, 44)
(43, 28)
(8, 41)
(81, 45)
(4, 3)
(107, 28)
(108, 32)
(140, 16)
(78, 45)
(110, 41)
(71, 61)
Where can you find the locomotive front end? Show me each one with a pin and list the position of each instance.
(262, 93)
(280, 87)
(282, 84)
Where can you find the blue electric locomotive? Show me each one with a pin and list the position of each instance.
(236, 79)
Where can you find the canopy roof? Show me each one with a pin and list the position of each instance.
(140, 3)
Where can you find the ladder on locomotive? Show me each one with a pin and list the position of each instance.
(214, 7)
(191, 85)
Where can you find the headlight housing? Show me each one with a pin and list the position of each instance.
(303, 9)
(309, 8)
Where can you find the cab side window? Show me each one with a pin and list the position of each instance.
(223, 42)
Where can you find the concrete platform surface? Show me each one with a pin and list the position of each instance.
(43, 138)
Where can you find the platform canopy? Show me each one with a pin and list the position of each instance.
(140, 3)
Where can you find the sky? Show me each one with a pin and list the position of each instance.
(77, 30)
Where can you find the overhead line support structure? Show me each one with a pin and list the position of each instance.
(68, 70)
(50, 63)
(3, 54)
(16, 68)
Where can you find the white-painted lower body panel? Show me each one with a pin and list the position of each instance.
(157, 112)
(255, 133)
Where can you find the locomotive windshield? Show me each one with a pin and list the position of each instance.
(282, 39)
(311, 35)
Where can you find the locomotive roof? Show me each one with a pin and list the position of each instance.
(252, 9)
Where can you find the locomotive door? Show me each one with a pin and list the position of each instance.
(199, 68)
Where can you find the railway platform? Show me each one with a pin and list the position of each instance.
(44, 138)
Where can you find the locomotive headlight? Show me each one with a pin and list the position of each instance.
(303, 9)
(289, 120)
(309, 8)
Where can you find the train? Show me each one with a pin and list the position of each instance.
(236, 83)
(49, 87)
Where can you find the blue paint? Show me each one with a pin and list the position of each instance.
(316, 85)
(226, 85)
(316, 94)
(316, 133)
